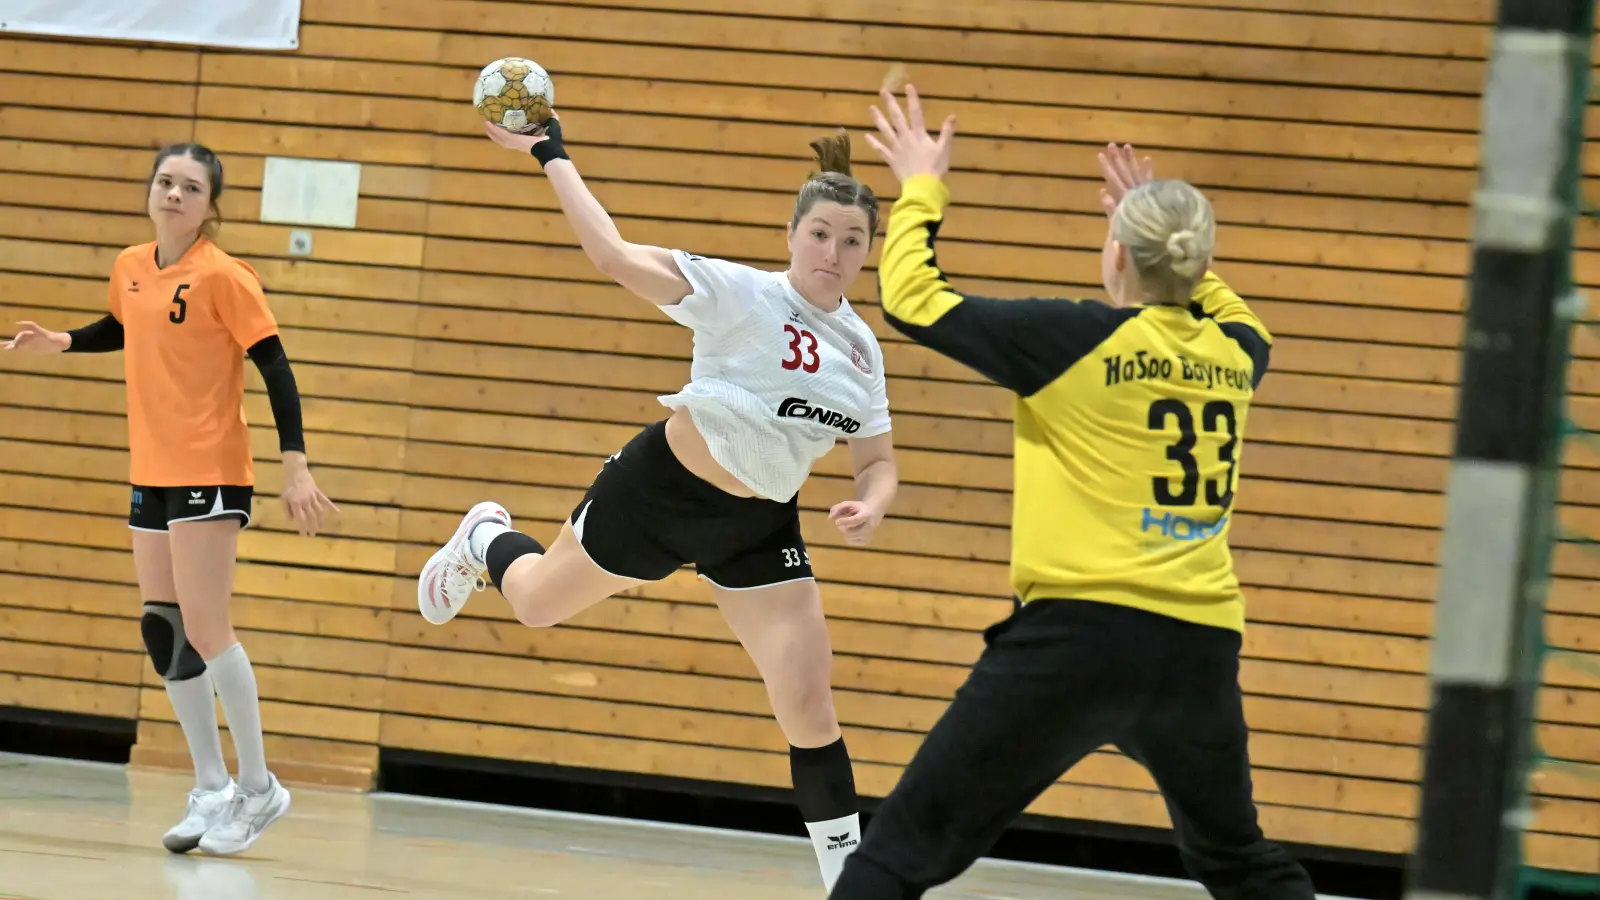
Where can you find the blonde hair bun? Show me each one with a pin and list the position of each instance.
(1187, 255)
(1169, 231)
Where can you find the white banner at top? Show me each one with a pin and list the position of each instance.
(255, 24)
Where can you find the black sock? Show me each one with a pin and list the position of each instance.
(824, 782)
(505, 550)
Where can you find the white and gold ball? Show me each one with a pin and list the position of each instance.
(514, 93)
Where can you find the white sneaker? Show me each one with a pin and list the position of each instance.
(245, 818)
(203, 811)
(453, 574)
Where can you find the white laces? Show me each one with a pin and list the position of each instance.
(235, 805)
(240, 814)
(217, 799)
(461, 579)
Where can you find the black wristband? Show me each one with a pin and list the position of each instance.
(551, 147)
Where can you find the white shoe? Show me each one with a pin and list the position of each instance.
(245, 818)
(204, 809)
(453, 574)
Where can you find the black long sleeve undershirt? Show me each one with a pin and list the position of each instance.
(103, 336)
(282, 393)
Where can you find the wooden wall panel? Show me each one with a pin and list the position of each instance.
(456, 345)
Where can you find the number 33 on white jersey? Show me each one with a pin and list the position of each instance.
(775, 382)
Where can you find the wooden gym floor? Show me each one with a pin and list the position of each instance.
(83, 831)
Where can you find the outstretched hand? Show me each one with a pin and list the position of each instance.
(1123, 172)
(34, 338)
(903, 139)
(522, 143)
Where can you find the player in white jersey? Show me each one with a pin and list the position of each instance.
(783, 369)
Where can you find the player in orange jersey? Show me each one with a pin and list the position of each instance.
(185, 313)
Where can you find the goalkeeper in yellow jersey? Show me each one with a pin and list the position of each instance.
(1130, 418)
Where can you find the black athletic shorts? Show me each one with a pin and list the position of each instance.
(646, 515)
(154, 508)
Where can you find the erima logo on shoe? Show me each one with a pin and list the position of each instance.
(841, 841)
(796, 408)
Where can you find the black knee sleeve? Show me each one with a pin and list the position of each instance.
(505, 550)
(824, 782)
(167, 644)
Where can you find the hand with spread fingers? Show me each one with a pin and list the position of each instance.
(1123, 172)
(903, 140)
(543, 143)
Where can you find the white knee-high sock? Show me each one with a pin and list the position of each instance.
(236, 686)
(194, 700)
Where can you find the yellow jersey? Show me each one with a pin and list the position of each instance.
(1129, 424)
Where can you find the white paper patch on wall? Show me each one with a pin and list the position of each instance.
(310, 192)
(257, 24)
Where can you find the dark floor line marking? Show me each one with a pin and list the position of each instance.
(45, 853)
(369, 887)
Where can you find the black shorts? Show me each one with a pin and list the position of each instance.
(646, 515)
(154, 508)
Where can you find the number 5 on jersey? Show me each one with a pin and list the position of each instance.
(804, 359)
(177, 316)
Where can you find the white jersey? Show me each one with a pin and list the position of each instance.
(775, 381)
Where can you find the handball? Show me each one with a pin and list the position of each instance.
(514, 93)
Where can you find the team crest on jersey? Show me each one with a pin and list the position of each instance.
(860, 360)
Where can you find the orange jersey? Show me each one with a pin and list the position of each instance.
(186, 329)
